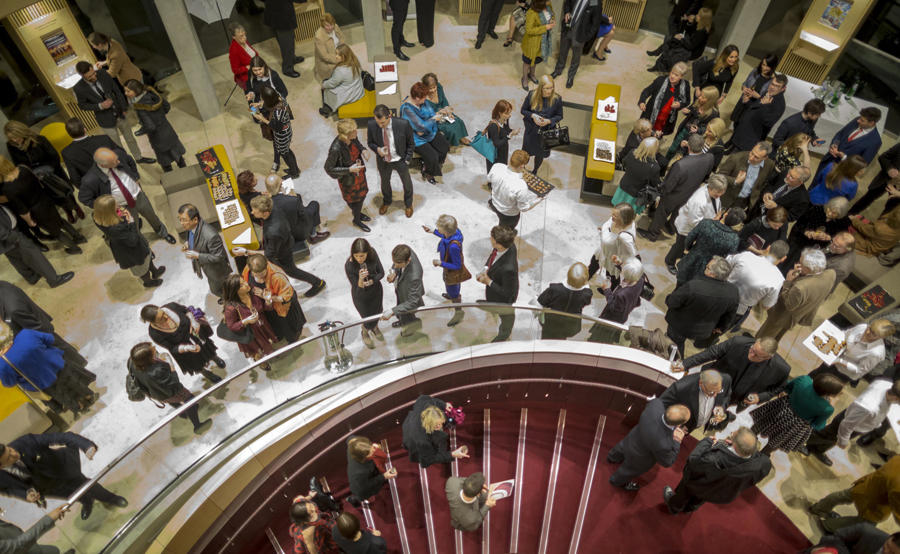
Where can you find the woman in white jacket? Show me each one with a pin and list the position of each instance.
(616, 243)
(345, 84)
(703, 204)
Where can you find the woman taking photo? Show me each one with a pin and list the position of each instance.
(697, 117)
(642, 170)
(430, 143)
(498, 132)
(754, 85)
(718, 72)
(536, 46)
(278, 120)
(661, 100)
(423, 435)
(542, 110)
(616, 243)
(128, 246)
(151, 109)
(346, 162)
(242, 316)
(793, 153)
(345, 84)
(187, 337)
(239, 55)
(837, 179)
(365, 272)
(158, 380)
(24, 195)
(261, 75)
(450, 124)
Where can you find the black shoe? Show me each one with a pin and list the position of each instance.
(427, 45)
(292, 73)
(866, 439)
(598, 58)
(493, 35)
(151, 283)
(668, 493)
(354, 501)
(555, 74)
(219, 362)
(204, 425)
(569, 82)
(119, 502)
(672, 269)
(299, 59)
(146, 160)
(315, 290)
(885, 456)
(140, 132)
(607, 50)
(365, 228)
(803, 450)
(86, 509)
(41, 246)
(406, 43)
(533, 79)
(401, 56)
(62, 279)
(364, 217)
(477, 45)
(319, 237)
(429, 178)
(325, 111)
(822, 458)
(631, 486)
(73, 250)
(159, 271)
(79, 239)
(169, 238)
(656, 52)
(648, 235)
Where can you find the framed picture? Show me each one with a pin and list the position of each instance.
(835, 13)
(59, 47)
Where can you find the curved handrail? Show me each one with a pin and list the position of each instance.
(174, 414)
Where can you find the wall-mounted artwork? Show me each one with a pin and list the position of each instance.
(835, 13)
(57, 43)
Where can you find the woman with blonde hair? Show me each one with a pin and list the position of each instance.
(536, 45)
(697, 116)
(345, 84)
(713, 141)
(642, 171)
(346, 162)
(541, 110)
(616, 243)
(129, 247)
(327, 38)
(660, 100)
(837, 179)
(423, 435)
(641, 130)
(718, 72)
(793, 153)
(688, 45)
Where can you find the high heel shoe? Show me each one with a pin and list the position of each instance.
(507, 42)
(524, 84)
(598, 58)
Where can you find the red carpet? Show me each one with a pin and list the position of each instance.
(616, 520)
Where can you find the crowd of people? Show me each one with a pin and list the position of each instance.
(755, 228)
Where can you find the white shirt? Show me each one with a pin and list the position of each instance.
(867, 412)
(509, 193)
(612, 244)
(699, 206)
(859, 357)
(390, 131)
(757, 279)
(334, 37)
(704, 407)
(133, 187)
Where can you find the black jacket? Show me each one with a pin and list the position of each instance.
(279, 14)
(53, 471)
(730, 358)
(701, 305)
(365, 479)
(278, 238)
(684, 178)
(651, 441)
(89, 100)
(40, 154)
(20, 311)
(504, 274)
(563, 299)
(859, 538)
(95, 182)
(404, 143)
(687, 391)
(795, 201)
(791, 126)
(756, 122)
(367, 543)
(762, 232)
(638, 175)
(291, 207)
(713, 473)
(158, 381)
(274, 82)
(129, 247)
(425, 448)
(338, 163)
(703, 75)
(79, 155)
(585, 27)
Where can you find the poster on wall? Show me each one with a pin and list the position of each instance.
(835, 13)
(57, 43)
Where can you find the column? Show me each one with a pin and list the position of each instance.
(190, 56)
(744, 23)
(373, 26)
(101, 20)
(3, 151)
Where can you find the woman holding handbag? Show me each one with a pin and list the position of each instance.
(186, 334)
(277, 120)
(642, 172)
(542, 110)
(29, 360)
(155, 378)
(253, 334)
(498, 132)
(451, 259)
(616, 243)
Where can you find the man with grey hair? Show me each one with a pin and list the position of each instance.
(718, 471)
(757, 279)
(787, 192)
(683, 178)
(805, 287)
(747, 173)
(703, 204)
(470, 500)
(702, 308)
(706, 393)
(840, 256)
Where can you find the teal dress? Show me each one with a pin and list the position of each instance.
(452, 131)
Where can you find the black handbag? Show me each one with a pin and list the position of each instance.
(648, 291)
(224, 333)
(554, 136)
(368, 81)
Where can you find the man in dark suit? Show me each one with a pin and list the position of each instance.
(97, 92)
(801, 122)
(703, 307)
(279, 16)
(24, 255)
(391, 138)
(656, 439)
(304, 220)
(890, 168)
(759, 117)
(580, 24)
(747, 174)
(35, 466)
(278, 243)
(398, 11)
(705, 394)
(859, 538)
(120, 178)
(425, 22)
(487, 20)
(501, 277)
(684, 177)
(204, 248)
(857, 137)
(718, 471)
(407, 272)
(788, 192)
(79, 154)
(15, 541)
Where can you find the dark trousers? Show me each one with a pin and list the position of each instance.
(356, 210)
(538, 160)
(193, 413)
(876, 188)
(285, 38)
(433, 154)
(289, 267)
(289, 159)
(487, 19)
(683, 501)
(143, 208)
(503, 219)
(677, 250)
(398, 9)
(677, 338)
(425, 21)
(738, 320)
(567, 42)
(29, 261)
(384, 175)
(96, 492)
(660, 217)
(71, 356)
(504, 330)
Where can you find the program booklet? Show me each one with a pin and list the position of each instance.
(503, 489)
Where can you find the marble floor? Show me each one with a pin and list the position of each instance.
(98, 310)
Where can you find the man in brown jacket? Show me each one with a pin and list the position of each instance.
(805, 287)
(876, 496)
(747, 174)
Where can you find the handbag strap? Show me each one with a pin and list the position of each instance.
(447, 253)
(12, 365)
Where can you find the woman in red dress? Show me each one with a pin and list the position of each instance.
(242, 314)
(239, 54)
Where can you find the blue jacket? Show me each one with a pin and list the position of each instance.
(819, 193)
(424, 128)
(866, 146)
(455, 250)
(35, 356)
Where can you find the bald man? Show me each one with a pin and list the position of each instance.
(655, 440)
(718, 471)
(111, 175)
(706, 394)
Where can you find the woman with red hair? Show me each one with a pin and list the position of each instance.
(429, 141)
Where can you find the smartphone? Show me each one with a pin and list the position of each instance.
(254, 109)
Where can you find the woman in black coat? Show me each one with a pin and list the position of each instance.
(542, 110)
(642, 170)
(157, 379)
(262, 75)
(346, 162)
(717, 72)
(365, 272)
(187, 337)
(688, 45)
(661, 100)
(753, 86)
(151, 109)
(129, 247)
(423, 437)
(366, 469)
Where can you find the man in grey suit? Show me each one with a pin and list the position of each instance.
(407, 272)
(204, 248)
(655, 440)
(747, 174)
(469, 500)
(684, 177)
(15, 541)
(25, 256)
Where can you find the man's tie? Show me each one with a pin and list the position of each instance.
(854, 134)
(493, 257)
(129, 200)
(387, 144)
(780, 192)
